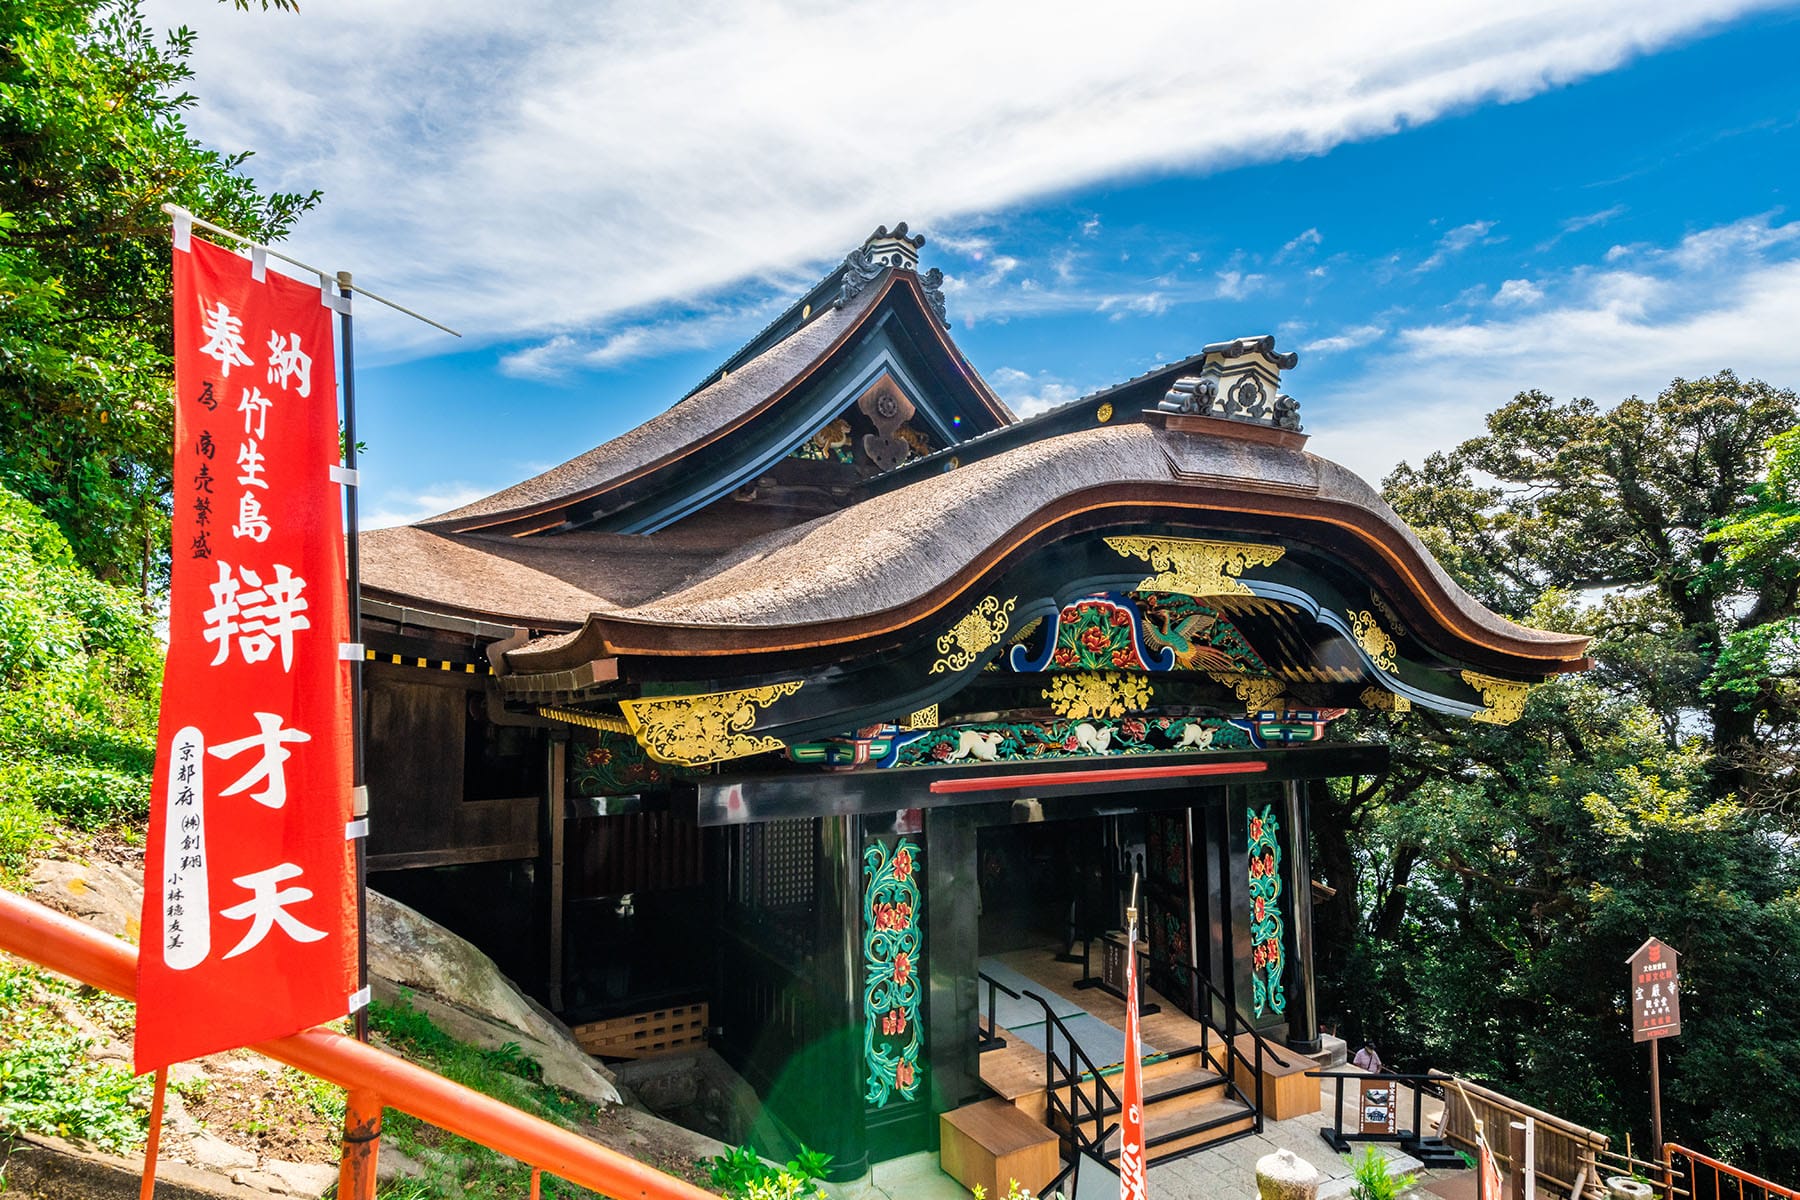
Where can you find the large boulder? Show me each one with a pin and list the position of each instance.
(465, 995)
(410, 957)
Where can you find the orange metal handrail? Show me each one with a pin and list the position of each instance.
(1671, 1149)
(373, 1077)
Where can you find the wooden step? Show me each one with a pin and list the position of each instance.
(1181, 1080)
(1177, 1130)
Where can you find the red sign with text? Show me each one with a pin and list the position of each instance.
(249, 926)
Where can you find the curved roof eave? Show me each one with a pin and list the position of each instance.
(896, 559)
(716, 410)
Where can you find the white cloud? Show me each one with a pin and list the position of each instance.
(1577, 224)
(1455, 242)
(1304, 241)
(1028, 395)
(528, 170)
(1350, 339)
(1235, 285)
(397, 508)
(1518, 293)
(1721, 297)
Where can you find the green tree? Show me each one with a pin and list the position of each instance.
(1489, 893)
(92, 143)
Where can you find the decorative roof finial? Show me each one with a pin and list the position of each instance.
(892, 249)
(1238, 381)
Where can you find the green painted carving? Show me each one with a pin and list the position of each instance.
(1094, 635)
(1267, 952)
(1009, 742)
(613, 764)
(893, 1037)
(1201, 637)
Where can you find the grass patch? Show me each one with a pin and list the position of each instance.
(47, 1082)
(458, 1167)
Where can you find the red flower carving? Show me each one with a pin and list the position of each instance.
(902, 968)
(903, 865)
(894, 1023)
(1121, 617)
(1071, 615)
(1256, 829)
(903, 1075)
(1065, 657)
(942, 751)
(1259, 908)
(1095, 638)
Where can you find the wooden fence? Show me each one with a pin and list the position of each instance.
(1563, 1152)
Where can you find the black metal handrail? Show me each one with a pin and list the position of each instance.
(1073, 1104)
(986, 1037)
(1235, 1023)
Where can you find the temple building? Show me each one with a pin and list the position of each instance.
(833, 694)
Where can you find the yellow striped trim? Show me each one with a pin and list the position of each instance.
(428, 664)
(586, 720)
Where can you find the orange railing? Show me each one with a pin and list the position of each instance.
(1709, 1179)
(372, 1078)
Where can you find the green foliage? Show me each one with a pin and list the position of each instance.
(92, 143)
(742, 1175)
(1370, 1179)
(463, 1167)
(1490, 893)
(47, 1082)
(80, 666)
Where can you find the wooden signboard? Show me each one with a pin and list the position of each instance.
(1375, 1113)
(1655, 992)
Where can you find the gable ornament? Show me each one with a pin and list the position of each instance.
(713, 727)
(965, 642)
(1194, 567)
(1503, 700)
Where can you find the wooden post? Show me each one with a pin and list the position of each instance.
(362, 1144)
(1656, 1140)
(1515, 1153)
(556, 824)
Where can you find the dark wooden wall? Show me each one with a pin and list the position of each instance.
(417, 767)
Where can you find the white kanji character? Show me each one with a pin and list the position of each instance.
(255, 407)
(224, 338)
(259, 617)
(286, 363)
(273, 741)
(251, 522)
(251, 460)
(267, 908)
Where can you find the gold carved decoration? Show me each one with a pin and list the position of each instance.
(1374, 640)
(1195, 568)
(1257, 693)
(1382, 700)
(691, 730)
(587, 720)
(1503, 700)
(925, 718)
(1090, 695)
(1104, 413)
(985, 625)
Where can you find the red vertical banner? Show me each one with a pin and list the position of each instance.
(249, 925)
(1132, 1183)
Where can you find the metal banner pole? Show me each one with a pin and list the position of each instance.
(353, 561)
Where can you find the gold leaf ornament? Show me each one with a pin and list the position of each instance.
(1503, 700)
(713, 727)
(1382, 700)
(1375, 641)
(1258, 694)
(968, 638)
(1193, 567)
(1090, 695)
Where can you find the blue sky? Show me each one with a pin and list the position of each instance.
(1588, 198)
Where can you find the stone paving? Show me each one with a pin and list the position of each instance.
(1226, 1172)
